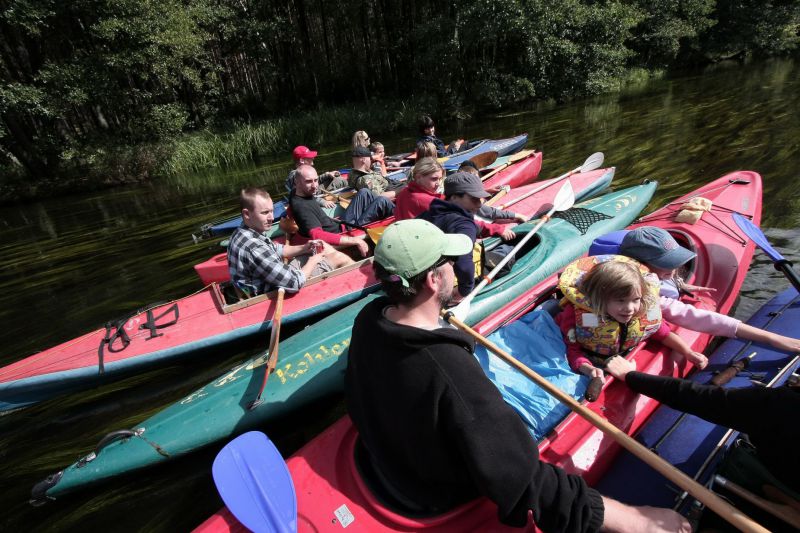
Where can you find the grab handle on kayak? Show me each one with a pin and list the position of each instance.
(105, 441)
(113, 437)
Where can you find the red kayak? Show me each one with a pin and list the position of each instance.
(517, 174)
(330, 491)
(208, 318)
(530, 200)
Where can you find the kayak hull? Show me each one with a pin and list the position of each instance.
(501, 146)
(723, 258)
(517, 174)
(313, 361)
(202, 324)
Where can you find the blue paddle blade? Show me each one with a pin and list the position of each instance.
(255, 484)
(755, 233)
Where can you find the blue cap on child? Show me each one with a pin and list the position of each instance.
(655, 247)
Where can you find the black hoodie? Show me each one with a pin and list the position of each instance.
(767, 415)
(439, 431)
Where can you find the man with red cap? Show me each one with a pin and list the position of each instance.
(330, 181)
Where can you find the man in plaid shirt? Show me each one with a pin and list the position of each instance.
(256, 264)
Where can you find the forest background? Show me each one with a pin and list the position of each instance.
(98, 92)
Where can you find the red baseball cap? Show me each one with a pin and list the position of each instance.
(303, 152)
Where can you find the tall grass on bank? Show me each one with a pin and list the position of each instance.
(245, 141)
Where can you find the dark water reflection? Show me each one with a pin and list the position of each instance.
(70, 264)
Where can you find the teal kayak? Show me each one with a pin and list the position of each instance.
(312, 362)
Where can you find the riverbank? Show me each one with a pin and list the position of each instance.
(105, 165)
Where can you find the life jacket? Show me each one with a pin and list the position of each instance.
(607, 337)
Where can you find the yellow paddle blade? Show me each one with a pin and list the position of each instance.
(376, 233)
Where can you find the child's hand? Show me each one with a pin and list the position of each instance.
(699, 360)
(697, 288)
(507, 234)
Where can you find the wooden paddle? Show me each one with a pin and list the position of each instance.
(592, 162)
(705, 496)
(274, 344)
(781, 263)
(505, 189)
(513, 158)
(485, 159)
(565, 198)
(255, 484)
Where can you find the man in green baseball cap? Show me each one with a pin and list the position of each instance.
(409, 247)
(435, 432)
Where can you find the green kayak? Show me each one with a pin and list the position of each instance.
(312, 362)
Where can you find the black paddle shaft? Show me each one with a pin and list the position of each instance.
(785, 266)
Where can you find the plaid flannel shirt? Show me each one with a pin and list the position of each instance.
(256, 264)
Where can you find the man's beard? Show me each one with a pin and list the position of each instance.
(445, 294)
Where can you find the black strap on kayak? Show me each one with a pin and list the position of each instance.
(115, 333)
(117, 339)
(152, 324)
(581, 217)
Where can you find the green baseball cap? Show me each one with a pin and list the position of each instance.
(408, 247)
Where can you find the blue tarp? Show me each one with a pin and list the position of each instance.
(536, 341)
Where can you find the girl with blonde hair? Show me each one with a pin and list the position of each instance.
(611, 305)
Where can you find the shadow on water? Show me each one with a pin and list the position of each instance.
(70, 264)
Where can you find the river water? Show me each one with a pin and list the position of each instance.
(70, 264)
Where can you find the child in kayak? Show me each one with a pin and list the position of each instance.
(656, 249)
(610, 306)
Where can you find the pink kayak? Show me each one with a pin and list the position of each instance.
(209, 318)
(331, 492)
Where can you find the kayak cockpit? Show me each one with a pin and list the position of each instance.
(229, 298)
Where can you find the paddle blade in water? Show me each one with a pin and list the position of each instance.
(781, 264)
(255, 484)
(758, 237)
